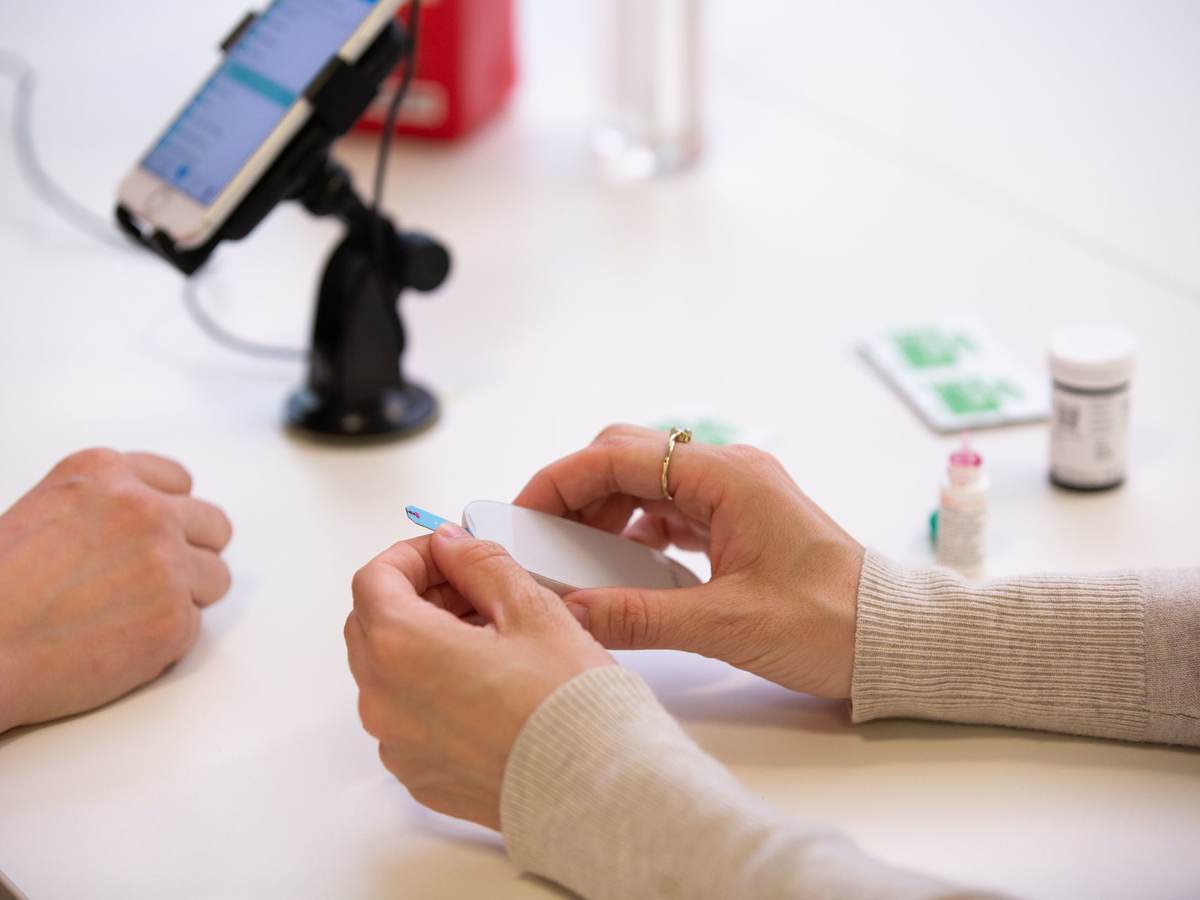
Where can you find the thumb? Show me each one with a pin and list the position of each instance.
(488, 578)
(637, 619)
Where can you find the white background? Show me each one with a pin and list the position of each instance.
(1027, 163)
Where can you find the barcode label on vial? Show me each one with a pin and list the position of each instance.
(1088, 436)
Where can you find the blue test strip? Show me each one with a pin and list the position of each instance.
(425, 518)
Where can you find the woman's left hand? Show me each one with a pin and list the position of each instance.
(453, 646)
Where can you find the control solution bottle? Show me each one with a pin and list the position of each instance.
(962, 512)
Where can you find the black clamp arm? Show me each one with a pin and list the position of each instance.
(238, 30)
(339, 94)
(356, 388)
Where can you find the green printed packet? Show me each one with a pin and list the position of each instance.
(957, 376)
(709, 428)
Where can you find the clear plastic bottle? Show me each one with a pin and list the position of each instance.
(962, 512)
(652, 125)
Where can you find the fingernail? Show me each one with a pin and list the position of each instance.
(579, 612)
(452, 531)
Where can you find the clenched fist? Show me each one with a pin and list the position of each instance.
(104, 566)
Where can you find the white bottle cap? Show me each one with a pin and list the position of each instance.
(1092, 357)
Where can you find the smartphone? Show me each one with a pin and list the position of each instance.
(563, 555)
(228, 134)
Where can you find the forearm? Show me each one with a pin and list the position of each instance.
(1115, 655)
(604, 793)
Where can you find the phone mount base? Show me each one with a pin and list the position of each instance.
(394, 413)
(356, 387)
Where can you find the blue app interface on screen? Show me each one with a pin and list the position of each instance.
(242, 103)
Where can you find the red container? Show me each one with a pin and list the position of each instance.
(466, 67)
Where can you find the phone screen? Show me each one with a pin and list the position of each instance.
(262, 76)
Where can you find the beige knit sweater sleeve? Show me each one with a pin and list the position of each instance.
(1115, 655)
(605, 794)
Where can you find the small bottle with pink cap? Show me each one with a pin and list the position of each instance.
(962, 512)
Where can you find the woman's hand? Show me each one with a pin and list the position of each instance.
(782, 599)
(453, 646)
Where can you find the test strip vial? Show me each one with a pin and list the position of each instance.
(1091, 367)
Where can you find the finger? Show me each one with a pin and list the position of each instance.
(356, 650)
(661, 532)
(491, 580)
(414, 560)
(160, 473)
(186, 637)
(649, 530)
(628, 460)
(679, 524)
(444, 596)
(637, 619)
(210, 576)
(611, 513)
(410, 570)
(385, 597)
(668, 510)
(204, 525)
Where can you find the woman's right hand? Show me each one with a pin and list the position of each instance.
(782, 598)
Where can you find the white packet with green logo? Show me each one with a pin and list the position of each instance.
(957, 376)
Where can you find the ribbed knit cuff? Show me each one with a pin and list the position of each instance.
(1173, 655)
(577, 772)
(578, 719)
(1055, 652)
(605, 794)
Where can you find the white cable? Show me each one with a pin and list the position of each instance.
(24, 79)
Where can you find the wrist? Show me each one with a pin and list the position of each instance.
(808, 642)
(582, 771)
(841, 597)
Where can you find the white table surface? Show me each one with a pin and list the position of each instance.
(1025, 163)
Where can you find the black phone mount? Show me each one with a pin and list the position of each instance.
(356, 388)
